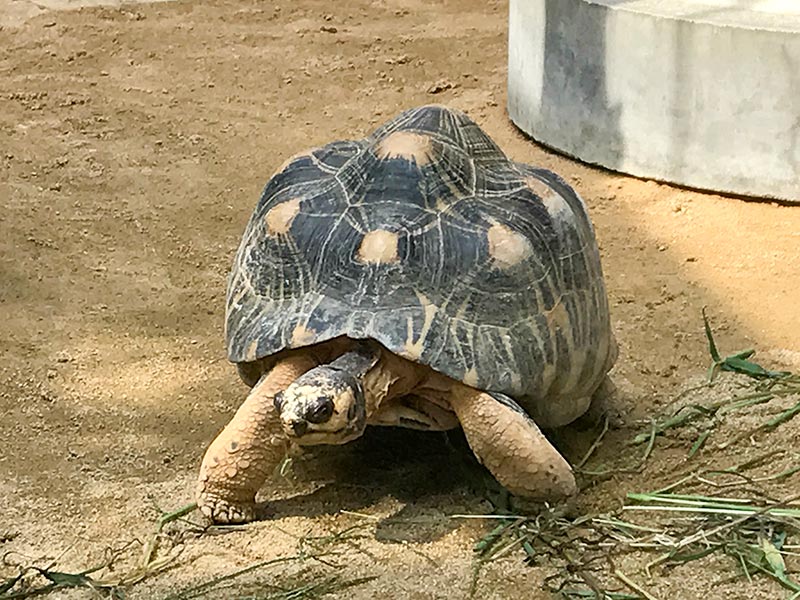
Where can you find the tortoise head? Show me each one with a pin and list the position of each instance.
(324, 406)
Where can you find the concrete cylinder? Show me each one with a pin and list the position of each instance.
(701, 94)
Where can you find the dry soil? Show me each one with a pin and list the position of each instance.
(134, 143)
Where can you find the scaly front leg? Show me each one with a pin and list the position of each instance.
(508, 443)
(243, 455)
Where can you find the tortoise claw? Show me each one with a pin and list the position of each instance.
(222, 512)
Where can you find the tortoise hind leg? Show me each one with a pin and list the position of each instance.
(603, 406)
(508, 443)
(241, 457)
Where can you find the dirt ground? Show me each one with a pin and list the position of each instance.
(134, 143)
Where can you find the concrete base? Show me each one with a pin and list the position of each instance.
(702, 94)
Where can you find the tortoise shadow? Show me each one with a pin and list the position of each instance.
(432, 475)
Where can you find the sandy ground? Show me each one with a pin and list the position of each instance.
(134, 142)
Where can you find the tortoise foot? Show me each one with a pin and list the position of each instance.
(224, 512)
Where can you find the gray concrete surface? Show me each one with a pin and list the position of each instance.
(702, 94)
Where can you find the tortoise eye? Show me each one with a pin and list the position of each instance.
(321, 411)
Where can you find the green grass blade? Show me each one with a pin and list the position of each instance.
(712, 346)
(67, 579)
(701, 439)
(745, 367)
(593, 595)
(783, 417)
(773, 557)
(485, 544)
(10, 583)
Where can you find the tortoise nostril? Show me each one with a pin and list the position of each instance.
(321, 410)
(299, 427)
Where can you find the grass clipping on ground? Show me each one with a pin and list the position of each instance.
(704, 510)
(162, 550)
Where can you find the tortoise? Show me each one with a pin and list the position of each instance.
(417, 278)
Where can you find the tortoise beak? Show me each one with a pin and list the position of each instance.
(299, 428)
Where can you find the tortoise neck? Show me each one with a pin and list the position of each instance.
(390, 377)
(358, 361)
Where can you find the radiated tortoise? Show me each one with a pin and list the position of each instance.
(419, 278)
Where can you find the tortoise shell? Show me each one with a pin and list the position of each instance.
(425, 237)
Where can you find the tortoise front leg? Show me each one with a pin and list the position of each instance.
(508, 443)
(241, 457)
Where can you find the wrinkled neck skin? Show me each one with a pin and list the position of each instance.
(390, 377)
(387, 378)
(393, 377)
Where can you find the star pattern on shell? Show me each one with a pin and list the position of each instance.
(426, 237)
